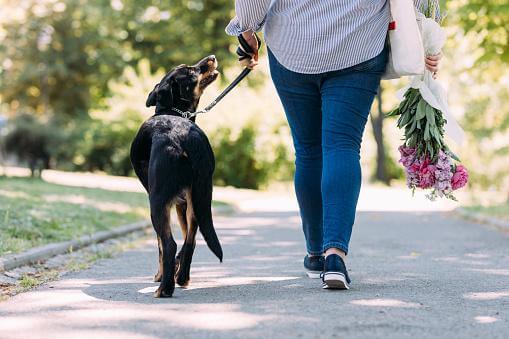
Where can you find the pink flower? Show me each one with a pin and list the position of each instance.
(427, 175)
(407, 155)
(460, 177)
(414, 168)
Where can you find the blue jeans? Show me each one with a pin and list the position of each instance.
(327, 114)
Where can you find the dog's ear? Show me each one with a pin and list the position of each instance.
(161, 95)
(165, 94)
(152, 97)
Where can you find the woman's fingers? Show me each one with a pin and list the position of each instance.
(432, 62)
(253, 43)
(435, 57)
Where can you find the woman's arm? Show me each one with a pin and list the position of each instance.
(249, 16)
(432, 61)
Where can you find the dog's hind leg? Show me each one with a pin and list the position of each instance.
(161, 223)
(159, 274)
(186, 253)
(181, 208)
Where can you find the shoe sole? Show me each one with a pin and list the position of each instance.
(314, 274)
(335, 281)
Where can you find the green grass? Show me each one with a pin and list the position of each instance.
(34, 212)
(500, 211)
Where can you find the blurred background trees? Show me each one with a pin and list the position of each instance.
(81, 69)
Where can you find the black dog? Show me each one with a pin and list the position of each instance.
(174, 161)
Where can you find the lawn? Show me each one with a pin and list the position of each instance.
(34, 212)
(500, 211)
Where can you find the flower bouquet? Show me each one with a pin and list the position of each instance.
(424, 116)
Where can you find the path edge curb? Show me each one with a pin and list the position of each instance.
(477, 217)
(40, 253)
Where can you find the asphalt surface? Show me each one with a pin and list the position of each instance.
(419, 274)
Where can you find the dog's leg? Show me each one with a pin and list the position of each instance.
(159, 274)
(181, 214)
(186, 254)
(161, 223)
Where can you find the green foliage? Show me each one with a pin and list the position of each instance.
(32, 140)
(423, 124)
(105, 140)
(393, 169)
(236, 162)
(240, 162)
(480, 52)
(57, 57)
(488, 21)
(105, 145)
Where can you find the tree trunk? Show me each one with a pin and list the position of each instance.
(377, 122)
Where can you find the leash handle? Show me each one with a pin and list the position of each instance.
(244, 51)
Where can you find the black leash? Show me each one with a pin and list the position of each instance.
(244, 51)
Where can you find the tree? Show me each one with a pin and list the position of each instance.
(480, 37)
(489, 22)
(58, 56)
(385, 168)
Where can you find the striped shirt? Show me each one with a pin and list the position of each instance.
(317, 36)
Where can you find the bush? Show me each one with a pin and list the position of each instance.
(105, 145)
(242, 162)
(32, 140)
(236, 161)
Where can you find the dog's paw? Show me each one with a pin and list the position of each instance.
(182, 280)
(164, 293)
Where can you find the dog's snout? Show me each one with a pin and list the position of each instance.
(207, 64)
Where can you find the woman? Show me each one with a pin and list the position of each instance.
(326, 61)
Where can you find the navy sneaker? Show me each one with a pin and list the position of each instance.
(313, 265)
(335, 275)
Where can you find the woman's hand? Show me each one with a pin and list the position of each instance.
(432, 62)
(253, 43)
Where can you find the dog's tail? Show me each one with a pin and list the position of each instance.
(200, 154)
(202, 200)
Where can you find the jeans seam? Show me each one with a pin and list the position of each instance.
(335, 244)
(314, 253)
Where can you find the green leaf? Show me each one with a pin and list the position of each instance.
(421, 109)
(412, 128)
(426, 133)
(405, 119)
(394, 112)
(430, 114)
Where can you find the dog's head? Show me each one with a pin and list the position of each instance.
(184, 85)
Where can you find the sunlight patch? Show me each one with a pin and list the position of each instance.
(82, 200)
(384, 303)
(485, 319)
(224, 282)
(486, 295)
(491, 271)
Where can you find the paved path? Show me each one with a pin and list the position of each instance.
(416, 273)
